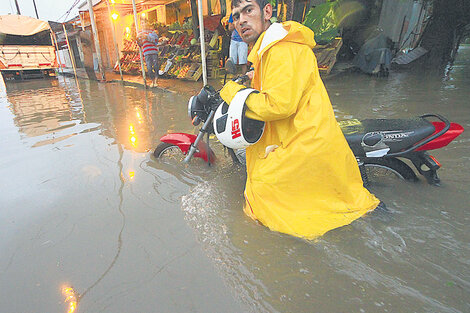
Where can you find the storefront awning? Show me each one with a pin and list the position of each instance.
(127, 4)
(21, 25)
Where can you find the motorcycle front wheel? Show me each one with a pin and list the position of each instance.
(168, 152)
(381, 171)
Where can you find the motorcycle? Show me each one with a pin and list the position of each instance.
(379, 145)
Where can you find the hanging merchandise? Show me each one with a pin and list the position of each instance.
(322, 20)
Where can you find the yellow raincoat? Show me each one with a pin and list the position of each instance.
(302, 177)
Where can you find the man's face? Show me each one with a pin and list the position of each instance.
(250, 20)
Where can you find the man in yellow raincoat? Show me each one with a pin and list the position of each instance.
(302, 177)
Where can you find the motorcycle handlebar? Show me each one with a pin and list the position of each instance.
(208, 99)
(241, 79)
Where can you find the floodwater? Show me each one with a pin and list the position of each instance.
(90, 222)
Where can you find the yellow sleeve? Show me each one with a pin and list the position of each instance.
(287, 70)
(230, 90)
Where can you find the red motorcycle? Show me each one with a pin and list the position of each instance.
(381, 146)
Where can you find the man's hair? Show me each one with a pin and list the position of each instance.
(261, 3)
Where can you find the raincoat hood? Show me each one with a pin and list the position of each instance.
(288, 32)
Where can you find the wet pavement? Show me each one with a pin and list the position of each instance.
(90, 222)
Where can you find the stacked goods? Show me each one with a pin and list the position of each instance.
(184, 70)
(185, 39)
(175, 26)
(212, 64)
(130, 45)
(191, 70)
(180, 57)
(130, 60)
(130, 56)
(174, 38)
(188, 24)
(192, 50)
(195, 74)
(130, 67)
(174, 70)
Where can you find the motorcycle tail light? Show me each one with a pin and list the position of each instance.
(435, 161)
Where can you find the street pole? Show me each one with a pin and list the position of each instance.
(140, 50)
(35, 9)
(97, 42)
(203, 44)
(114, 38)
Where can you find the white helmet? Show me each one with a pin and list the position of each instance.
(232, 127)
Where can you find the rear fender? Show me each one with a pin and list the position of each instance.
(184, 142)
(454, 131)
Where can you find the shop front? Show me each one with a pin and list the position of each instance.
(176, 23)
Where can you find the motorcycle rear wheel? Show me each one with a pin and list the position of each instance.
(168, 152)
(380, 170)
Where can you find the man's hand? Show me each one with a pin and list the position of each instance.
(250, 74)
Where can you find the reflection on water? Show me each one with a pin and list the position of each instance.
(86, 203)
(70, 298)
(44, 110)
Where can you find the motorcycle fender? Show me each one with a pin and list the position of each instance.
(184, 142)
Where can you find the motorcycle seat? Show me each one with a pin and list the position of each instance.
(395, 135)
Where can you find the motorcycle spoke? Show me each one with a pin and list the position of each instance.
(171, 154)
(382, 175)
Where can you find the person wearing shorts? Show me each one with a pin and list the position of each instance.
(238, 48)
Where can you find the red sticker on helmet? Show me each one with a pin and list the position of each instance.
(236, 129)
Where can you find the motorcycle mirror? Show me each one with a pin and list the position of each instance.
(230, 67)
(203, 96)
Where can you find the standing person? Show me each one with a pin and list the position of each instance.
(238, 48)
(148, 41)
(302, 177)
(226, 38)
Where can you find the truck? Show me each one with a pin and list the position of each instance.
(26, 48)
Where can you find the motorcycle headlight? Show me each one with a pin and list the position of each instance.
(198, 106)
(196, 111)
(191, 104)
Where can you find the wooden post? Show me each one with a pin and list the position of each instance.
(136, 22)
(53, 38)
(114, 39)
(73, 64)
(201, 39)
(70, 50)
(97, 42)
(82, 21)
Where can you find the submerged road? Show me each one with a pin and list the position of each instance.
(90, 222)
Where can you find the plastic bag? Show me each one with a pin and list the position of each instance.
(322, 20)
